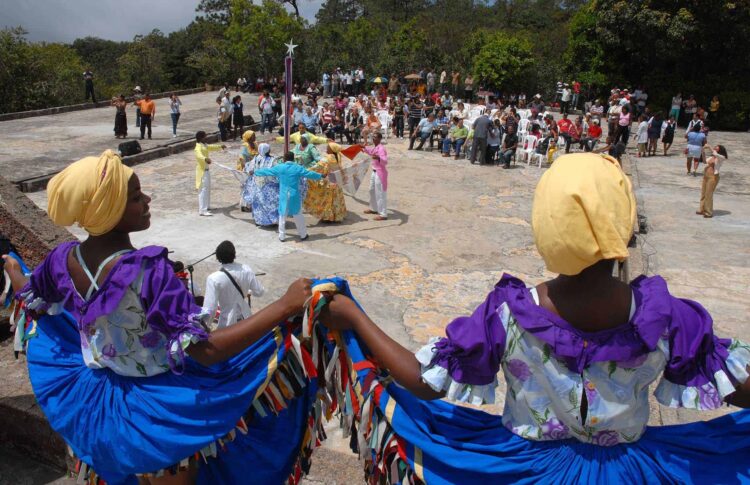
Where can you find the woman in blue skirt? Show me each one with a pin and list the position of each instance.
(578, 353)
(124, 369)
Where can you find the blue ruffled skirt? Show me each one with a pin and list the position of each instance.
(123, 426)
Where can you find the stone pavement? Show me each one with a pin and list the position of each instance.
(34, 147)
(453, 229)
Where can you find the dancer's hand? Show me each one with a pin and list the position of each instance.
(339, 313)
(297, 295)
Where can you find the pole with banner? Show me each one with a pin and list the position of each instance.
(288, 85)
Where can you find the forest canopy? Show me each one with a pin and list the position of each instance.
(510, 45)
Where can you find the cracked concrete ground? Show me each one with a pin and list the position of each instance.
(453, 230)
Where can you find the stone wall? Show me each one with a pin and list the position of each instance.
(27, 226)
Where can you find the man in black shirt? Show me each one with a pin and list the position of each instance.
(88, 78)
(509, 145)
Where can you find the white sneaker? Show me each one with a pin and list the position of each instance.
(174, 136)
(205, 213)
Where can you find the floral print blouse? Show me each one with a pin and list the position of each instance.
(547, 384)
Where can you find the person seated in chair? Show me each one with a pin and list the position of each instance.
(510, 144)
(423, 131)
(354, 124)
(456, 138)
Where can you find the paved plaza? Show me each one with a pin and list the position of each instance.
(453, 228)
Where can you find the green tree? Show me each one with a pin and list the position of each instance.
(257, 34)
(143, 64)
(501, 61)
(211, 62)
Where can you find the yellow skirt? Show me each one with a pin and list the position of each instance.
(325, 201)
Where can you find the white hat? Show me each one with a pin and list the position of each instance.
(537, 95)
(137, 88)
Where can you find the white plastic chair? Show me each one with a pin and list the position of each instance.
(523, 128)
(528, 148)
(385, 122)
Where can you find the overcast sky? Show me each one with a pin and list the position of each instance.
(67, 20)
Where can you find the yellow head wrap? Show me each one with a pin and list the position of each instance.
(92, 192)
(584, 211)
(246, 138)
(335, 147)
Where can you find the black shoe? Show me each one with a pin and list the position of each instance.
(506, 166)
(305, 238)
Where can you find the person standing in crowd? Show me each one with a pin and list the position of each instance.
(641, 135)
(137, 96)
(443, 80)
(226, 101)
(576, 94)
(613, 116)
(469, 88)
(623, 126)
(238, 117)
(267, 106)
(335, 80)
(378, 178)
(510, 145)
(668, 129)
(695, 141)
(399, 112)
(455, 81)
(221, 115)
(148, 111)
(676, 106)
(88, 80)
(289, 174)
(228, 290)
(121, 120)
(481, 128)
(691, 107)
(654, 132)
(711, 180)
(276, 97)
(430, 81)
(174, 107)
(202, 174)
(325, 199)
(326, 85)
(565, 98)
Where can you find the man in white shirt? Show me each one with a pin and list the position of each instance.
(443, 81)
(228, 288)
(565, 98)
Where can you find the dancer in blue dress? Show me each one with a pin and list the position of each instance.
(578, 353)
(124, 369)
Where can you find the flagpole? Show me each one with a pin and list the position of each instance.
(288, 85)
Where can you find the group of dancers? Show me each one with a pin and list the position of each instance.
(281, 187)
(125, 369)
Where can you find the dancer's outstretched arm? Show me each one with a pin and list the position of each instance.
(229, 341)
(342, 314)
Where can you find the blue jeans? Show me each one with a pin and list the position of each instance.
(222, 131)
(266, 122)
(457, 144)
(175, 119)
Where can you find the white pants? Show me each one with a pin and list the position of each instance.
(377, 195)
(204, 196)
(299, 221)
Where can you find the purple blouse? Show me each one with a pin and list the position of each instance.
(552, 368)
(166, 305)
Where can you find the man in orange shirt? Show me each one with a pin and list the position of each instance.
(148, 110)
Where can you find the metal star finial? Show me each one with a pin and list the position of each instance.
(291, 47)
